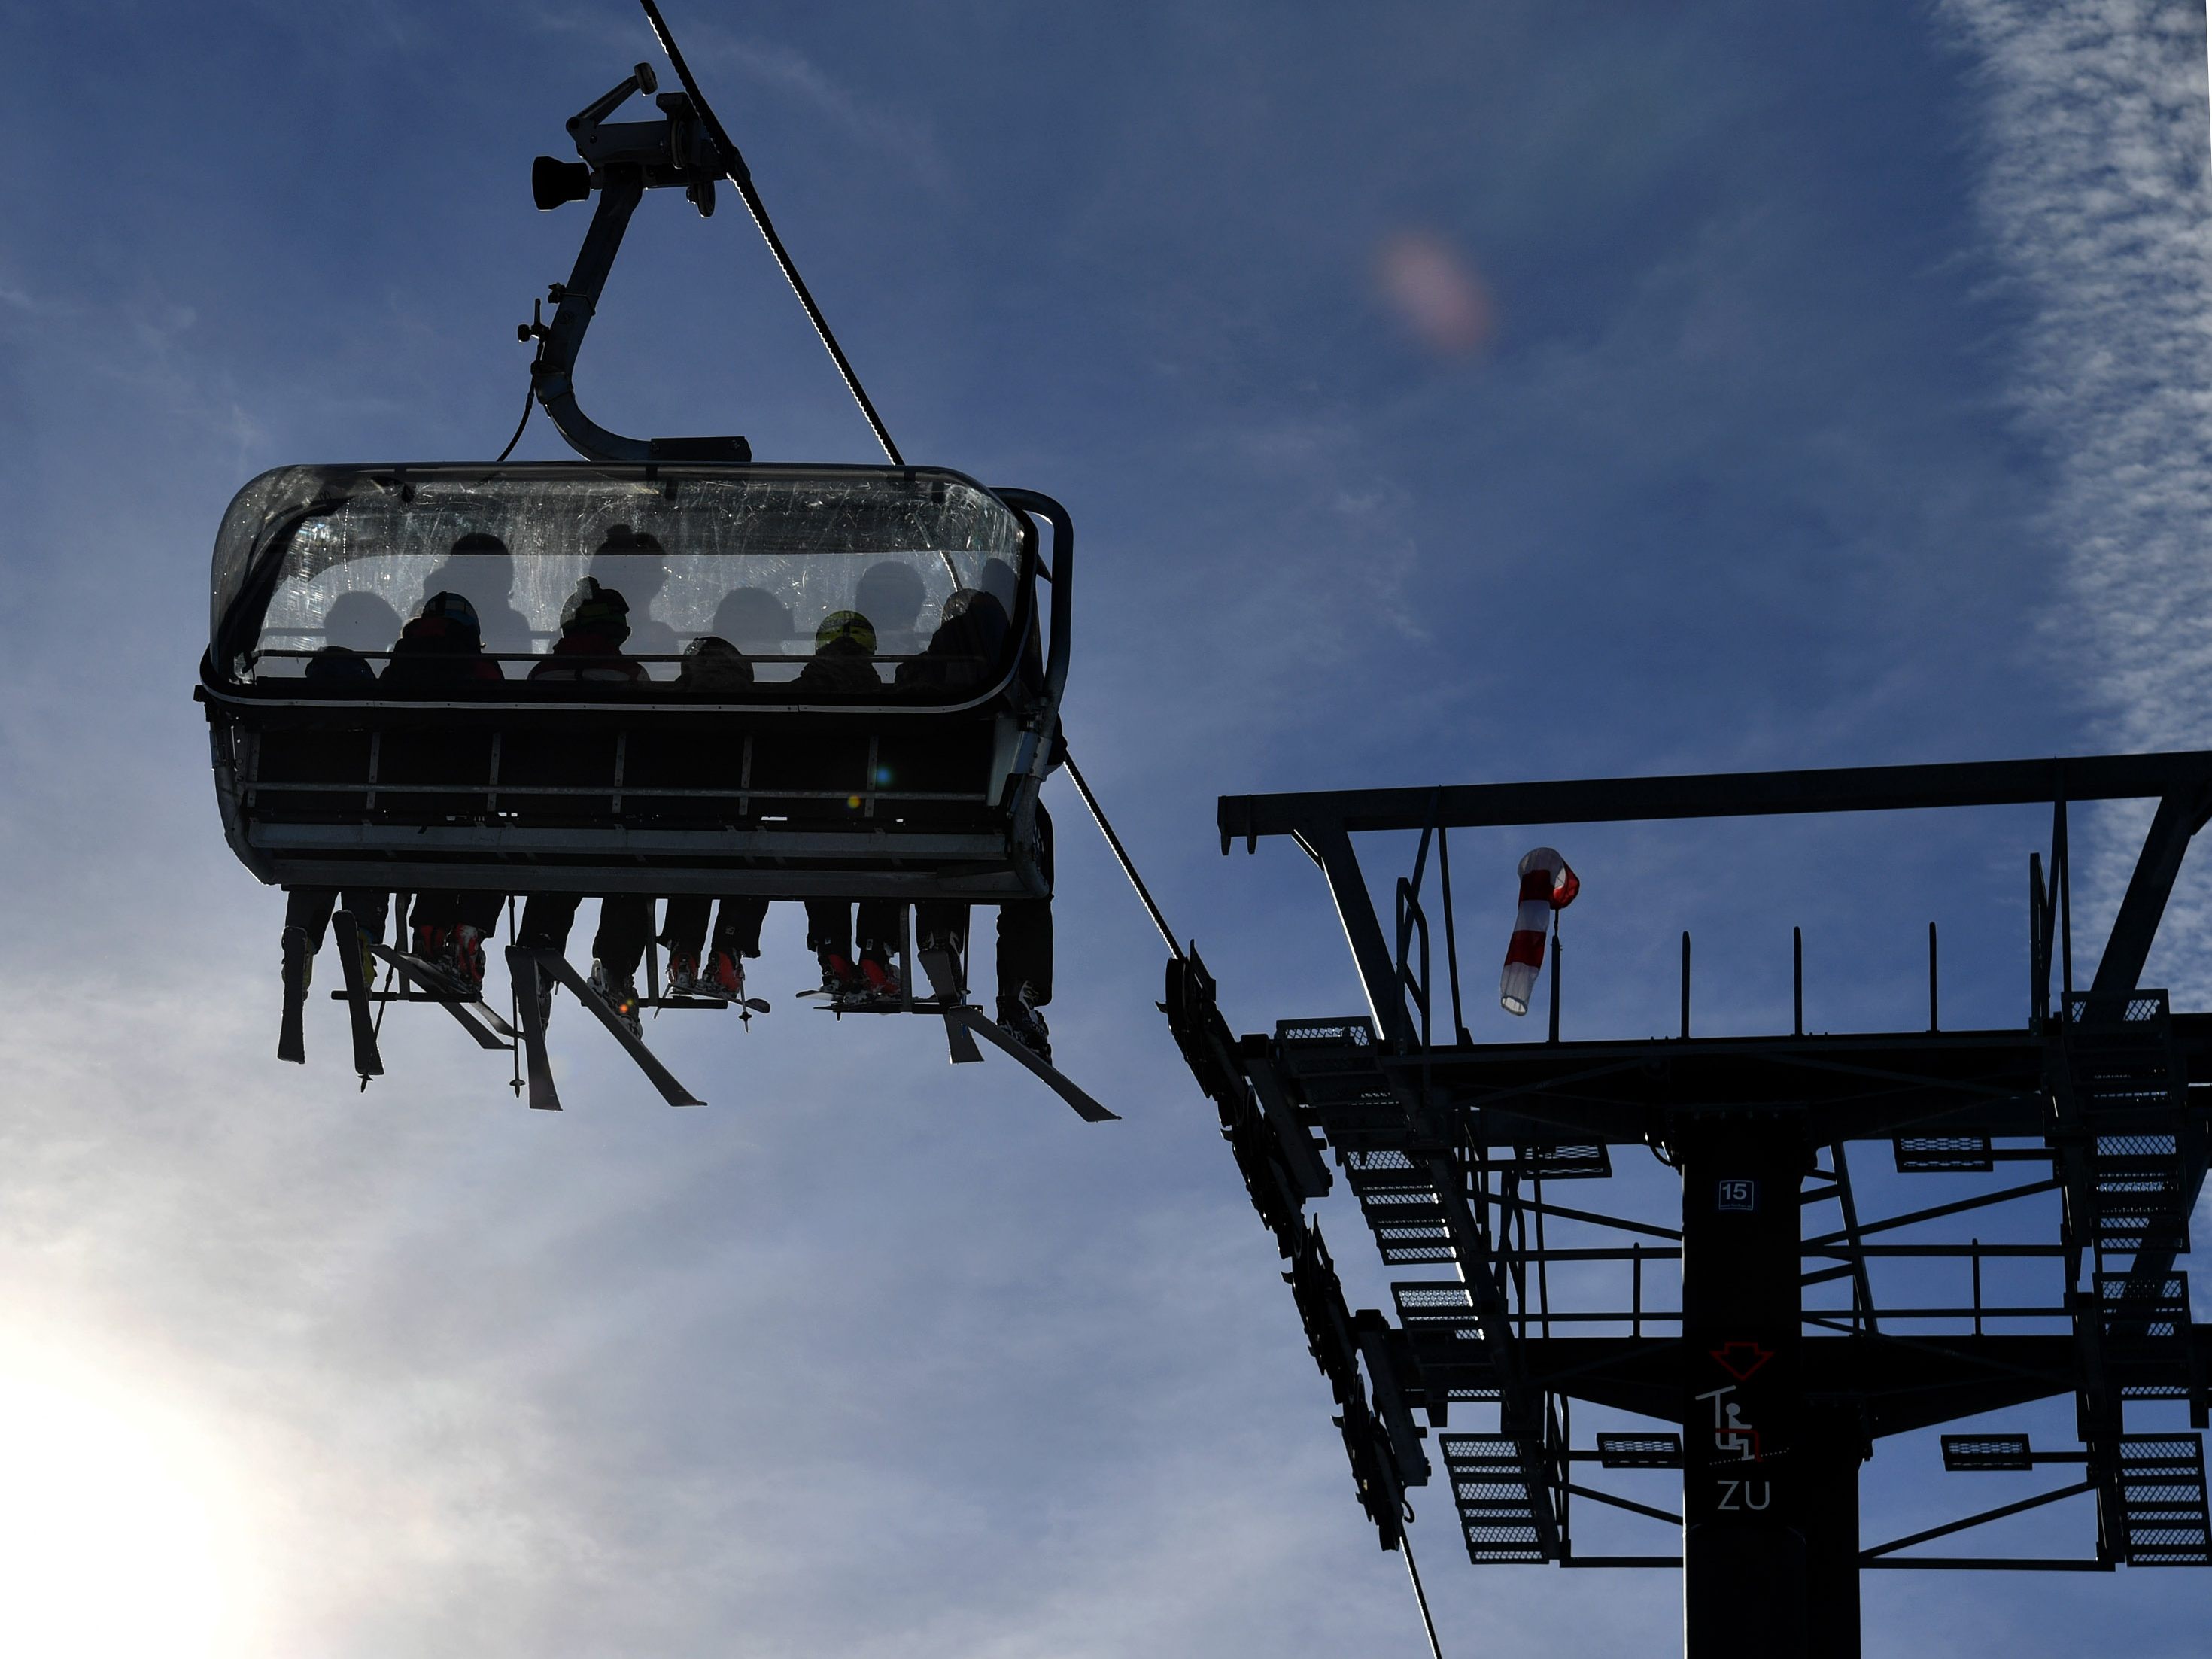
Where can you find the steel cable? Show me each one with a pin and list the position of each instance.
(734, 169)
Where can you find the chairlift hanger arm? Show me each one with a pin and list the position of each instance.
(622, 161)
(688, 147)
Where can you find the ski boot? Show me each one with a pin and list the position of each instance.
(878, 974)
(463, 958)
(939, 955)
(840, 980)
(1019, 1019)
(619, 993)
(683, 975)
(726, 978)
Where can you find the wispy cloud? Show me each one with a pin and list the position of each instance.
(2093, 191)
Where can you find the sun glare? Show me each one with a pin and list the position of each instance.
(112, 1532)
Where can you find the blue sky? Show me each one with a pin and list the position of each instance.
(1841, 402)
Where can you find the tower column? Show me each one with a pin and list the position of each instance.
(1835, 1446)
(1744, 1464)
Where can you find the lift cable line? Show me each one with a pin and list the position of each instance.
(1420, 1596)
(1122, 856)
(735, 170)
(1181, 964)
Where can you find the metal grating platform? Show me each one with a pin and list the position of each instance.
(1639, 1451)
(1568, 1161)
(1944, 1155)
(1970, 1453)
(1440, 1306)
(2145, 1007)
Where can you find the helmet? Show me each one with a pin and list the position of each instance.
(594, 609)
(713, 664)
(850, 628)
(454, 610)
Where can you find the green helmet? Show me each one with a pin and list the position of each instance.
(847, 626)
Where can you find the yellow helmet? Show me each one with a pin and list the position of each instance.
(847, 626)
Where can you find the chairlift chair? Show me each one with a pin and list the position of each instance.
(922, 790)
(914, 779)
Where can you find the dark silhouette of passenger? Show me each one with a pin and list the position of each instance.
(479, 567)
(712, 664)
(890, 595)
(441, 651)
(966, 654)
(636, 562)
(842, 665)
(594, 623)
(844, 656)
(356, 623)
(962, 654)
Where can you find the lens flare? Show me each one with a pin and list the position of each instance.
(1436, 292)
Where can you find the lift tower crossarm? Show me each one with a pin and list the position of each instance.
(1323, 822)
(1727, 794)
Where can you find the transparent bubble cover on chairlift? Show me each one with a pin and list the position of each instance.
(309, 557)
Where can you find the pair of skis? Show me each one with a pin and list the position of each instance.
(964, 1022)
(530, 969)
(426, 981)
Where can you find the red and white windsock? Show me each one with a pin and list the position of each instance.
(1546, 884)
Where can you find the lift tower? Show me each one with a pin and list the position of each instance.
(2097, 1108)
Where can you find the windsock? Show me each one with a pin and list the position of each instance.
(1546, 884)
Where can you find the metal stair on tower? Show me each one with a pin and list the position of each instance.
(2119, 1098)
(1497, 1511)
(2162, 1502)
(2124, 1086)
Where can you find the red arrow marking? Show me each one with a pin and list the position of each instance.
(1740, 1359)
